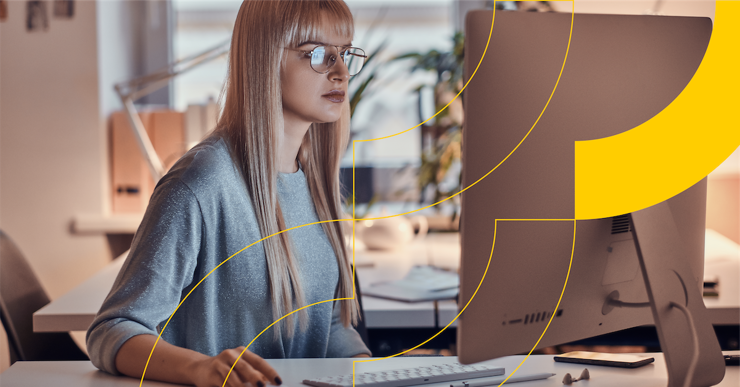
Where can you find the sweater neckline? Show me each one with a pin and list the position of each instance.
(292, 175)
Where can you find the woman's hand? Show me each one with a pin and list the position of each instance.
(212, 371)
(173, 364)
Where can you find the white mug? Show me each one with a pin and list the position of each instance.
(392, 233)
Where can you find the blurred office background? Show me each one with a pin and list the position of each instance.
(56, 98)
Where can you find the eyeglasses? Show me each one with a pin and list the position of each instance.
(323, 58)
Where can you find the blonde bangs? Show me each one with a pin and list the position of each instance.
(307, 23)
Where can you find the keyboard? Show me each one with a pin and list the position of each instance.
(409, 376)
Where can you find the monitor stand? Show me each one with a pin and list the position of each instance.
(669, 279)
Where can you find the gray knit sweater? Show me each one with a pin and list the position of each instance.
(199, 215)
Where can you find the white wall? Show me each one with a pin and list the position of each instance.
(56, 92)
(639, 7)
(50, 143)
(51, 159)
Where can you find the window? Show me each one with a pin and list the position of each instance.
(391, 107)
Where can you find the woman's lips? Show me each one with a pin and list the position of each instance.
(334, 96)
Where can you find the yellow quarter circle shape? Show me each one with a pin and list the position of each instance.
(677, 147)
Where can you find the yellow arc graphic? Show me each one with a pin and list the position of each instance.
(485, 272)
(354, 295)
(676, 148)
(337, 220)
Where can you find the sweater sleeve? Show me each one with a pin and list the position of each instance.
(344, 341)
(160, 264)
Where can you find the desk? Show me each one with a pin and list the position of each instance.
(75, 310)
(441, 249)
(293, 371)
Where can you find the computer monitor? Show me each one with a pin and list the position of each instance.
(620, 71)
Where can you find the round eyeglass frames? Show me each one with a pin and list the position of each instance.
(323, 58)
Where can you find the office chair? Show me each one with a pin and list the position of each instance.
(21, 294)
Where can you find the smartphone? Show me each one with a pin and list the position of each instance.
(732, 360)
(605, 359)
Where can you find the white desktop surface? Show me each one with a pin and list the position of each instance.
(75, 310)
(293, 371)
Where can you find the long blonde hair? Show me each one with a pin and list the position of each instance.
(252, 122)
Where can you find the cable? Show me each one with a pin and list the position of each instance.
(614, 301)
(622, 304)
(695, 337)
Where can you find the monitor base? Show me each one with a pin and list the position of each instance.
(669, 280)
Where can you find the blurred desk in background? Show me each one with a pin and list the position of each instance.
(394, 324)
(76, 310)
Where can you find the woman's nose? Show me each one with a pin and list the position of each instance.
(339, 71)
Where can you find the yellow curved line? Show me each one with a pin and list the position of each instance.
(677, 147)
(270, 326)
(497, 165)
(448, 103)
(354, 216)
(496, 221)
(353, 209)
(485, 272)
(461, 191)
(219, 265)
(567, 275)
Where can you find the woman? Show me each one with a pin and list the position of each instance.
(271, 164)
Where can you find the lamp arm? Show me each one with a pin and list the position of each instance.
(131, 90)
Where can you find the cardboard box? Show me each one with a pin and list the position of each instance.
(168, 136)
(132, 181)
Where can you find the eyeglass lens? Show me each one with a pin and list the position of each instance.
(324, 57)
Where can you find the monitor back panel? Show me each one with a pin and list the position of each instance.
(620, 72)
